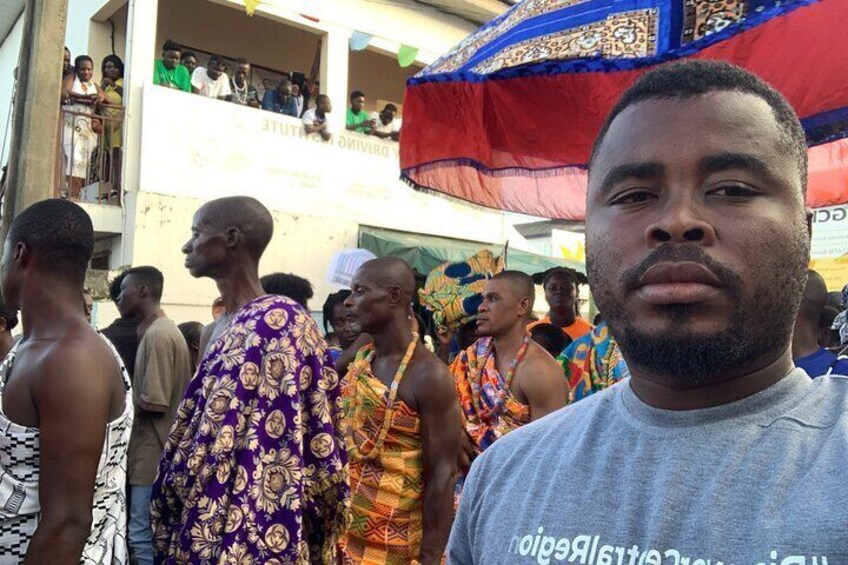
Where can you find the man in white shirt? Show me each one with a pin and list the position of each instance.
(212, 81)
(387, 126)
(315, 119)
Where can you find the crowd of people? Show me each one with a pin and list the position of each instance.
(93, 111)
(92, 115)
(697, 422)
(179, 69)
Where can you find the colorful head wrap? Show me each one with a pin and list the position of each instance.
(453, 291)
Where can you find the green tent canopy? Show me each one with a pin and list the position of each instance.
(426, 252)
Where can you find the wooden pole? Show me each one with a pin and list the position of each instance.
(32, 169)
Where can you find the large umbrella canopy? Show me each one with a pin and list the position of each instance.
(507, 118)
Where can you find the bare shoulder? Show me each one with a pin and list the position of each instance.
(79, 368)
(539, 362)
(428, 377)
(425, 368)
(85, 356)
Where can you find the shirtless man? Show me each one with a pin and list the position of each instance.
(62, 495)
(402, 473)
(526, 383)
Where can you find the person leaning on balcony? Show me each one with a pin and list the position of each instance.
(244, 93)
(79, 137)
(386, 124)
(212, 81)
(357, 118)
(168, 70)
(112, 85)
(280, 100)
(189, 61)
(315, 119)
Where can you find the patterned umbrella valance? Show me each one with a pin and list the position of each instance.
(507, 118)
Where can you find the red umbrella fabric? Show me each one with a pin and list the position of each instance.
(507, 118)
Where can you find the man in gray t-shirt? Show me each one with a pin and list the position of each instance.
(717, 451)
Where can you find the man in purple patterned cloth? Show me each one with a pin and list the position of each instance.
(255, 469)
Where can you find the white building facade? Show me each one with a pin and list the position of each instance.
(181, 150)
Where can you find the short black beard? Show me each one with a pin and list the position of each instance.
(759, 325)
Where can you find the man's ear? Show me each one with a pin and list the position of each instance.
(232, 237)
(21, 255)
(395, 296)
(525, 306)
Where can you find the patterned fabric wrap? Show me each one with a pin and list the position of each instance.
(592, 363)
(453, 291)
(387, 487)
(254, 470)
(20, 509)
(496, 84)
(472, 365)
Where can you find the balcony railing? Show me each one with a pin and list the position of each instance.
(89, 154)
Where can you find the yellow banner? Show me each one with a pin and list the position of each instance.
(834, 270)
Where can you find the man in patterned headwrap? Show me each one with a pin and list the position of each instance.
(254, 470)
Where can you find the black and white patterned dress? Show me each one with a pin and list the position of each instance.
(19, 506)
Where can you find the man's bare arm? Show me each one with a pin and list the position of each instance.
(441, 426)
(542, 380)
(73, 396)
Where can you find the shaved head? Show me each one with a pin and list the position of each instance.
(391, 272)
(507, 303)
(521, 283)
(383, 290)
(248, 215)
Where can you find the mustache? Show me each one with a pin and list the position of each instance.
(675, 253)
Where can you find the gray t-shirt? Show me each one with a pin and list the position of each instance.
(613, 481)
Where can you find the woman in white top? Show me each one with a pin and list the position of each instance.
(79, 137)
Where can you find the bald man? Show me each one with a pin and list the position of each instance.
(504, 380)
(254, 469)
(404, 428)
(807, 353)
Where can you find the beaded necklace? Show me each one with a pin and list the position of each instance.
(488, 414)
(359, 372)
(241, 94)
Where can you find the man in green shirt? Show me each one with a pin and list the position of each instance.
(357, 117)
(168, 70)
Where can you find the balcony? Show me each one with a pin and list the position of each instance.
(198, 148)
(88, 164)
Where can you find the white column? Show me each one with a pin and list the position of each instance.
(142, 53)
(334, 67)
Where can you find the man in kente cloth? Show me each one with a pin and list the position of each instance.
(404, 428)
(255, 469)
(505, 380)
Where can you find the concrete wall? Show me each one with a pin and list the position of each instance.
(301, 244)
(9, 52)
(319, 193)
